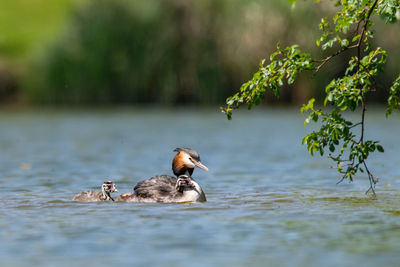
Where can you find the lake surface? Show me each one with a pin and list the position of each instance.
(269, 202)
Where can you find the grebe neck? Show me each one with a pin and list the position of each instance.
(179, 167)
(106, 194)
(182, 170)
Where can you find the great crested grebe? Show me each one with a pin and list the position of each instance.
(107, 188)
(168, 189)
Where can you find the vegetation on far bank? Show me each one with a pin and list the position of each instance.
(164, 52)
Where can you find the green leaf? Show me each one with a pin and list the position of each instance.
(310, 105)
(380, 148)
(356, 37)
(331, 148)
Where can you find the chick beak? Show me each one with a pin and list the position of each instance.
(200, 165)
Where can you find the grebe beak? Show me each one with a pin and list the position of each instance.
(200, 165)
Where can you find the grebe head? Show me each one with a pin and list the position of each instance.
(107, 188)
(185, 161)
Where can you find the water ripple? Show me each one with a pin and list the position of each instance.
(268, 202)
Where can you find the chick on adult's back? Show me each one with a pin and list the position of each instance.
(168, 189)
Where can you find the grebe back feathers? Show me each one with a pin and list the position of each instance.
(166, 189)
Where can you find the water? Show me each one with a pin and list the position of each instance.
(269, 203)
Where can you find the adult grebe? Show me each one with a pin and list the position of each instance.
(168, 189)
(107, 188)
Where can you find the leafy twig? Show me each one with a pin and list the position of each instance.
(347, 92)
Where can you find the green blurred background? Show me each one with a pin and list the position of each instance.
(103, 52)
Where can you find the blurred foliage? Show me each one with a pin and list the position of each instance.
(175, 51)
(27, 25)
(118, 52)
(155, 51)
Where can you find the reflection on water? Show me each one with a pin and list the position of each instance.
(269, 203)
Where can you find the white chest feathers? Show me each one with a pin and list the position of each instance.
(194, 195)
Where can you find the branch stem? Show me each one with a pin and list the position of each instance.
(357, 45)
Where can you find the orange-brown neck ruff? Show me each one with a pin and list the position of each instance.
(178, 165)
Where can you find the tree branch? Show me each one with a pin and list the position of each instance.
(355, 125)
(372, 181)
(357, 45)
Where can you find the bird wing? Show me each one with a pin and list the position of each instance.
(157, 187)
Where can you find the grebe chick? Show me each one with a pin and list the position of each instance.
(168, 189)
(107, 188)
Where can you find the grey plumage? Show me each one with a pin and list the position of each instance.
(89, 196)
(92, 196)
(165, 189)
